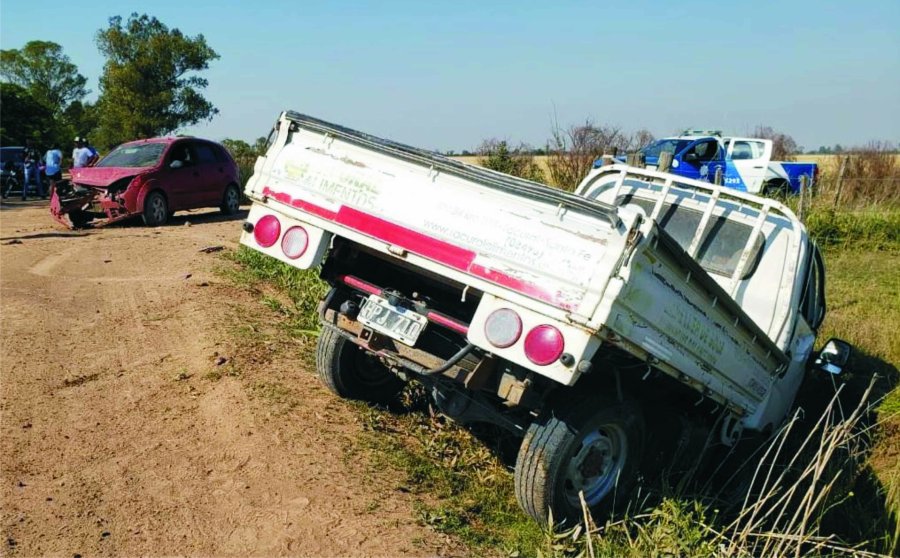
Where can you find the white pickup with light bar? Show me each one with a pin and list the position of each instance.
(398, 323)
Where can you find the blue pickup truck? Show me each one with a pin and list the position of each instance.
(745, 162)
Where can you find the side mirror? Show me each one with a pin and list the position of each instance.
(176, 164)
(690, 158)
(833, 357)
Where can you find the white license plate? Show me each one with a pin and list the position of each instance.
(399, 323)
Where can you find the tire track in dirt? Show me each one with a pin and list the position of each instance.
(116, 437)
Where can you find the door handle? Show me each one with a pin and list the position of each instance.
(759, 167)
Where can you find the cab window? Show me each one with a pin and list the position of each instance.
(812, 305)
(705, 150)
(723, 240)
(747, 150)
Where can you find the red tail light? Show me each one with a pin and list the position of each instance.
(544, 345)
(294, 242)
(503, 328)
(267, 230)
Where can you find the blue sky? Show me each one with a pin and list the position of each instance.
(448, 75)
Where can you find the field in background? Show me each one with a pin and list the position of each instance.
(827, 163)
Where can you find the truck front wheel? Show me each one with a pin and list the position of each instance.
(593, 447)
(351, 372)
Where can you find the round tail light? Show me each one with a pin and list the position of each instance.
(267, 230)
(544, 345)
(294, 242)
(503, 328)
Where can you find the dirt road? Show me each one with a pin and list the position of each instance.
(120, 437)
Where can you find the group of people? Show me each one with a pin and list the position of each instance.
(33, 165)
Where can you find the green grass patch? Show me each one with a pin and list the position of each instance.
(873, 228)
(467, 490)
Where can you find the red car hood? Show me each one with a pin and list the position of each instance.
(104, 176)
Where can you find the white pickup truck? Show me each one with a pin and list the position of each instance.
(565, 318)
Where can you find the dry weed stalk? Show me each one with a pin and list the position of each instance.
(784, 519)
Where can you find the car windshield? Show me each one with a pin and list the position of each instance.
(673, 146)
(146, 155)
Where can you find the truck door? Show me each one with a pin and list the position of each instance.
(700, 160)
(747, 161)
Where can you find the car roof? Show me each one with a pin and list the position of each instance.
(166, 140)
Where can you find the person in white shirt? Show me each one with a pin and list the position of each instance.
(81, 155)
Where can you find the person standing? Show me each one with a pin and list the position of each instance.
(95, 156)
(32, 173)
(81, 155)
(53, 165)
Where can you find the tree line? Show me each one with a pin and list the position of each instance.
(149, 87)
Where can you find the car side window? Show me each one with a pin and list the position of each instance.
(182, 152)
(205, 154)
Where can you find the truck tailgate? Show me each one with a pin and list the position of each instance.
(547, 245)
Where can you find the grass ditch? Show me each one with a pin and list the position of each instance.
(467, 484)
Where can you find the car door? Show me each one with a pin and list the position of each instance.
(178, 176)
(747, 161)
(701, 159)
(212, 179)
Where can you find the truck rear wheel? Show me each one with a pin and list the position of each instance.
(351, 372)
(594, 447)
(776, 189)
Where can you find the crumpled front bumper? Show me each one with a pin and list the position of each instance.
(75, 207)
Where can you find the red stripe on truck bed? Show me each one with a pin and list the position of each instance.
(421, 244)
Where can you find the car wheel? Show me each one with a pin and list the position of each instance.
(594, 447)
(156, 210)
(231, 200)
(351, 372)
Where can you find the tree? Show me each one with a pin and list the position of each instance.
(147, 87)
(784, 148)
(496, 155)
(245, 154)
(46, 73)
(24, 118)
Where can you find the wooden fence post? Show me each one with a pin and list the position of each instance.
(804, 186)
(840, 180)
(665, 162)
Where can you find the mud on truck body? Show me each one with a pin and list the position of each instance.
(564, 318)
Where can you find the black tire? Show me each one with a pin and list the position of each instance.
(776, 189)
(351, 372)
(156, 210)
(79, 218)
(231, 200)
(605, 435)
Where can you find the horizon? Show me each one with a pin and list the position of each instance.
(449, 79)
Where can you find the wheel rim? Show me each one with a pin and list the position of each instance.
(231, 200)
(596, 465)
(369, 369)
(158, 209)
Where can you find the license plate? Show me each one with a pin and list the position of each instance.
(399, 323)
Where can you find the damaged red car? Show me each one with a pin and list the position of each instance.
(151, 178)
